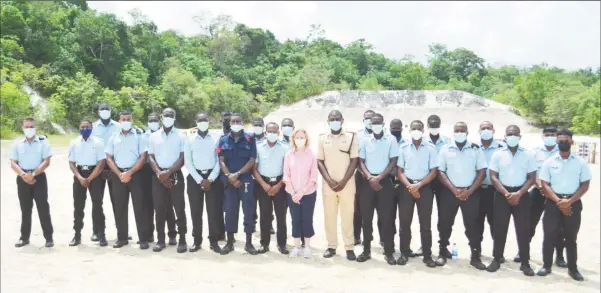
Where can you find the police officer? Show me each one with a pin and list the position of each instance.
(272, 196)
(541, 154)
(126, 156)
(147, 174)
(237, 152)
(396, 130)
(219, 186)
(287, 129)
(29, 158)
(417, 166)
(488, 145)
(357, 221)
(565, 179)
(461, 169)
(512, 172)
(104, 128)
(200, 158)
(166, 151)
(434, 137)
(86, 161)
(337, 156)
(378, 157)
(258, 130)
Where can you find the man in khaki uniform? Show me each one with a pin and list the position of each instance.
(337, 155)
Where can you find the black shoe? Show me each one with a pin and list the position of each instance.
(389, 258)
(477, 263)
(182, 247)
(502, 260)
(543, 271)
(227, 249)
(129, 238)
(159, 247)
(575, 274)
(194, 248)
(144, 245)
(441, 261)
(250, 249)
(493, 266)
(444, 252)
(215, 247)
(49, 243)
(402, 260)
(263, 249)
(172, 241)
(151, 240)
(283, 250)
(358, 241)
(271, 231)
(527, 270)
(329, 253)
(120, 243)
(102, 241)
(75, 241)
(363, 257)
(517, 258)
(560, 262)
(429, 262)
(21, 243)
(350, 255)
(95, 238)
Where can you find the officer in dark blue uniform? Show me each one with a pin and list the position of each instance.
(237, 152)
(219, 187)
(86, 160)
(512, 172)
(565, 179)
(29, 158)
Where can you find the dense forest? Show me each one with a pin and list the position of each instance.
(75, 57)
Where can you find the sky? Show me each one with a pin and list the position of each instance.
(562, 34)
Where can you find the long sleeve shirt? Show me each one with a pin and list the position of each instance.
(300, 169)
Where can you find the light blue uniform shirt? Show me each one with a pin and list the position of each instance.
(565, 176)
(126, 150)
(200, 153)
(442, 140)
(30, 155)
(86, 152)
(271, 159)
(105, 132)
(513, 170)
(378, 152)
(494, 146)
(541, 154)
(461, 166)
(360, 135)
(166, 148)
(417, 163)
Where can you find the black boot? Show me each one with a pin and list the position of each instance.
(559, 260)
(249, 245)
(229, 246)
(76, 239)
(443, 255)
(476, 261)
(366, 254)
(182, 245)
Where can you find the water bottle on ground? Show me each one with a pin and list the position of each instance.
(454, 252)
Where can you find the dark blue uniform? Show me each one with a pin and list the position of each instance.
(236, 154)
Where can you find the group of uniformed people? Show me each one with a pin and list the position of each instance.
(489, 180)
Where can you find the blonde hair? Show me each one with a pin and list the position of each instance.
(293, 143)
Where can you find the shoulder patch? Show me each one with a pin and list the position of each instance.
(139, 131)
(42, 137)
(475, 146)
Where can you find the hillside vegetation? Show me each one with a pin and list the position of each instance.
(75, 57)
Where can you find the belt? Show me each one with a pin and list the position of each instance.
(204, 173)
(86, 167)
(414, 181)
(485, 186)
(272, 180)
(564, 196)
(124, 169)
(28, 171)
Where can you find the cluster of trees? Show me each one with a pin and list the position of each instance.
(76, 57)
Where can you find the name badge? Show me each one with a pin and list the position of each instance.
(327, 142)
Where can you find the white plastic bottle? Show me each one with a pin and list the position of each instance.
(454, 252)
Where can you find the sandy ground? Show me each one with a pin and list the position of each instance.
(91, 268)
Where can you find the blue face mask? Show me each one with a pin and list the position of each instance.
(512, 141)
(126, 125)
(335, 125)
(85, 132)
(460, 137)
(377, 128)
(550, 140)
(271, 137)
(486, 134)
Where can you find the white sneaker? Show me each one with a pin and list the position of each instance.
(295, 252)
(307, 252)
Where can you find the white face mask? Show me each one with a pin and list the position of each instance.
(460, 137)
(335, 125)
(126, 125)
(236, 127)
(104, 114)
(434, 131)
(202, 126)
(367, 123)
(257, 130)
(271, 137)
(378, 128)
(287, 130)
(168, 121)
(29, 132)
(416, 134)
(153, 126)
(300, 142)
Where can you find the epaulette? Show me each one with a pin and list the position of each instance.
(42, 137)
(404, 143)
(138, 130)
(475, 146)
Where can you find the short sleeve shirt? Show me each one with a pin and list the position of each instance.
(565, 176)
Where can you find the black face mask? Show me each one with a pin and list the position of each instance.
(396, 134)
(226, 125)
(564, 146)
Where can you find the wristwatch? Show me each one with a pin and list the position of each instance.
(210, 180)
(33, 174)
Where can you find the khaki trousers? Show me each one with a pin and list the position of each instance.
(345, 199)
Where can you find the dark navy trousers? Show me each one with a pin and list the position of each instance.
(231, 205)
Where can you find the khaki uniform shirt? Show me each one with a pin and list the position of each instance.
(337, 151)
